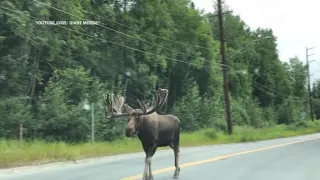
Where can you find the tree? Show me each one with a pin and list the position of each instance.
(47, 72)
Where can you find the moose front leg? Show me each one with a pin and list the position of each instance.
(146, 168)
(147, 175)
(152, 151)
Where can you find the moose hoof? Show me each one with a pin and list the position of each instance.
(148, 178)
(176, 173)
(144, 177)
(176, 176)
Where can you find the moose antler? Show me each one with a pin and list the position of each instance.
(127, 108)
(116, 104)
(164, 95)
(142, 106)
(161, 96)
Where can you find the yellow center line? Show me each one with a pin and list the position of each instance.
(216, 159)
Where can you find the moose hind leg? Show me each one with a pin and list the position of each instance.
(176, 151)
(176, 162)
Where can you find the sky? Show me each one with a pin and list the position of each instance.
(295, 24)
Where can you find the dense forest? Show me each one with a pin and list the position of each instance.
(50, 72)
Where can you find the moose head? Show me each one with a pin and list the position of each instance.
(116, 107)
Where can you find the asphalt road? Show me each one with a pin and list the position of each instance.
(296, 158)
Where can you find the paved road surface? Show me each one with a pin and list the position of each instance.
(296, 158)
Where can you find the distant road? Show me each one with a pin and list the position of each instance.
(296, 158)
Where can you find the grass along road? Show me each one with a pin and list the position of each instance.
(14, 154)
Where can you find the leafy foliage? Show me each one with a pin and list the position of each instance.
(48, 73)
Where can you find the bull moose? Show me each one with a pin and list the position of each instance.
(153, 130)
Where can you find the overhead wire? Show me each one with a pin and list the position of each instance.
(178, 42)
(315, 101)
(293, 98)
(280, 94)
(225, 66)
(146, 52)
(201, 47)
(122, 33)
(173, 59)
(206, 48)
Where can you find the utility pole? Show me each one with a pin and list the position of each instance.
(224, 69)
(309, 83)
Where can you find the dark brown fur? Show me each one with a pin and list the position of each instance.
(153, 130)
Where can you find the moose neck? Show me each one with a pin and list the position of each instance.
(147, 128)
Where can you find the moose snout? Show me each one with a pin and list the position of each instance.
(129, 132)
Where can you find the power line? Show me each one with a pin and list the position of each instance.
(141, 50)
(268, 92)
(317, 102)
(270, 89)
(235, 53)
(274, 90)
(146, 32)
(281, 94)
(115, 42)
(111, 29)
(178, 42)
